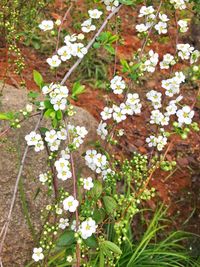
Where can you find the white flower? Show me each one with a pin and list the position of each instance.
(185, 115)
(69, 258)
(150, 64)
(70, 39)
(88, 183)
(64, 53)
(29, 108)
(106, 114)
(194, 57)
(54, 61)
(63, 223)
(102, 131)
(151, 140)
(111, 4)
(161, 142)
(87, 26)
(59, 211)
(90, 155)
(161, 27)
(80, 36)
(118, 115)
(58, 104)
(79, 50)
(50, 136)
(95, 13)
(183, 25)
(46, 25)
(58, 22)
(168, 60)
(43, 177)
(179, 4)
(163, 17)
(55, 145)
(33, 138)
(100, 160)
(117, 85)
(145, 11)
(141, 27)
(37, 254)
(87, 228)
(185, 50)
(62, 134)
(70, 204)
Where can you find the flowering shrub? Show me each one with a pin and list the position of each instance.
(92, 224)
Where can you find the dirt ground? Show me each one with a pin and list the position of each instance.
(181, 189)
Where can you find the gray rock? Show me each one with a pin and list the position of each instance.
(19, 242)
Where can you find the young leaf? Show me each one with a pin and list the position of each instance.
(109, 203)
(111, 246)
(5, 116)
(126, 2)
(91, 242)
(97, 189)
(37, 78)
(77, 90)
(66, 239)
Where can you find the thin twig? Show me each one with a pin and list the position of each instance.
(60, 28)
(6, 224)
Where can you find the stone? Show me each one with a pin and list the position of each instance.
(19, 242)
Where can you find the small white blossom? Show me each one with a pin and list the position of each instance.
(95, 13)
(63, 223)
(87, 228)
(54, 61)
(37, 254)
(70, 204)
(88, 183)
(43, 177)
(46, 25)
(87, 26)
(185, 115)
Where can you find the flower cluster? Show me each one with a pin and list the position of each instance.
(168, 60)
(172, 85)
(63, 223)
(58, 95)
(184, 51)
(161, 26)
(63, 168)
(34, 139)
(179, 4)
(96, 161)
(111, 4)
(87, 228)
(159, 142)
(117, 85)
(183, 25)
(151, 63)
(146, 12)
(77, 134)
(71, 48)
(87, 25)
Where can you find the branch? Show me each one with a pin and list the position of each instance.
(91, 43)
(6, 224)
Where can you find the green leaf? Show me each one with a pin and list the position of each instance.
(33, 95)
(37, 77)
(96, 45)
(66, 239)
(127, 2)
(91, 242)
(47, 104)
(50, 113)
(99, 215)
(110, 246)
(43, 130)
(77, 90)
(109, 203)
(59, 115)
(97, 189)
(110, 49)
(125, 65)
(6, 116)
